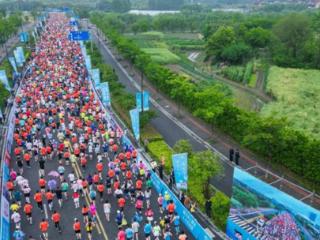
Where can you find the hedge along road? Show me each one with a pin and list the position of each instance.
(43, 101)
(169, 126)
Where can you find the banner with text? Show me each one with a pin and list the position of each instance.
(145, 101)
(135, 121)
(180, 167)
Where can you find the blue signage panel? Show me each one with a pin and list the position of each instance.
(180, 166)
(79, 36)
(145, 101)
(95, 74)
(105, 93)
(20, 54)
(134, 115)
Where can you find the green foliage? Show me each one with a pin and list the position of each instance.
(292, 31)
(258, 37)
(248, 72)
(234, 73)
(145, 117)
(222, 38)
(220, 209)
(9, 26)
(203, 166)
(161, 55)
(235, 53)
(183, 146)
(297, 94)
(160, 150)
(4, 94)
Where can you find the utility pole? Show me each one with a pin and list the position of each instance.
(141, 88)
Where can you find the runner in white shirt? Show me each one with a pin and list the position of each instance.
(107, 210)
(16, 218)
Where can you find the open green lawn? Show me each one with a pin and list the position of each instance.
(162, 55)
(298, 95)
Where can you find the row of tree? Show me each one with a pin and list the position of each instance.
(270, 138)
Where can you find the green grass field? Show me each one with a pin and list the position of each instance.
(162, 55)
(297, 93)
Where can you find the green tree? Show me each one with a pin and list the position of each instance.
(142, 25)
(220, 209)
(183, 146)
(205, 165)
(223, 37)
(210, 103)
(258, 37)
(121, 5)
(293, 31)
(236, 52)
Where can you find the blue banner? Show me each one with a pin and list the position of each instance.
(186, 217)
(105, 93)
(16, 57)
(4, 79)
(95, 75)
(180, 167)
(24, 37)
(21, 54)
(88, 62)
(270, 213)
(13, 63)
(79, 36)
(135, 121)
(145, 101)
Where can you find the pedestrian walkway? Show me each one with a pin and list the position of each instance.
(72, 177)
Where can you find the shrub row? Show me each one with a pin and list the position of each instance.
(271, 138)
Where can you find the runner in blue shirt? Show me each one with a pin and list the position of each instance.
(147, 230)
(129, 233)
(18, 234)
(167, 235)
(176, 223)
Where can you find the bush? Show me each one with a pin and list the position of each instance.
(234, 73)
(220, 209)
(248, 72)
(159, 149)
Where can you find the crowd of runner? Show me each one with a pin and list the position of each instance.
(63, 137)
